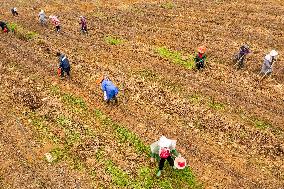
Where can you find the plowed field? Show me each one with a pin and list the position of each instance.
(228, 123)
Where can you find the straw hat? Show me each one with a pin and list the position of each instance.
(201, 49)
(273, 53)
(100, 79)
(180, 163)
(164, 142)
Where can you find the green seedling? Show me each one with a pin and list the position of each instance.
(118, 176)
(113, 40)
(168, 5)
(175, 57)
(216, 105)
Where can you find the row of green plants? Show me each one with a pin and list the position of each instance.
(176, 57)
(20, 32)
(183, 178)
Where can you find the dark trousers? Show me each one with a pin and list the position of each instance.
(3, 25)
(239, 60)
(241, 63)
(113, 98)
(67, 70)
(57, 28)
(15, 13)
(162, 162)
(84, 28)
(199, 65)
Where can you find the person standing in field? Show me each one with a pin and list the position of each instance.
(4, 27)
(55, 22)
(42, 18)
(165, 150)
(240, 57)
(83, 24)
(110, 91)
(269, 60)
(200, 58)
(14, 11)
(64, 65)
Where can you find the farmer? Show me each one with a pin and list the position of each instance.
(56, 22)
(240, 57)
(269, 59)
(165, 150)
(64, 65)
(14, 11)
(83, 23)
(109, 89)
(42, 18)
(4, 27)
(200, 58)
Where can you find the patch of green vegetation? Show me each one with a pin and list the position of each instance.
(20, 32)
(195, 98)
(261, 124)
(55, 90)
(175, 57)
(186, 176)
(168, 5)
(113, 40)
(42, 129)
(123, 134)
(145, 179)
(148, 74)
(77, 164)
(93, 173)
(165, 184)
(41, 42)
(100, 15)
(174, 87)
(118, 176)
(100, 155)
(63, 121)
(216, 105)
(127, 136)
(69, 99)
(12, 27)
(72, 136)
(74, 101)
(58, 154)
(99, 114)
(31, 35)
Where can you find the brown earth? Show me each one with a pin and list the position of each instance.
(223, 146)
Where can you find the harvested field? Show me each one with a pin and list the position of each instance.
(229, 124)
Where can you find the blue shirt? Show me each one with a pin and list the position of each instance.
(63, 62)
(110, 88)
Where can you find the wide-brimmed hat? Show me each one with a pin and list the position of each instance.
(100, 79)
(273, 53)
(201, 49)
(180, 163)
(164, 142)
